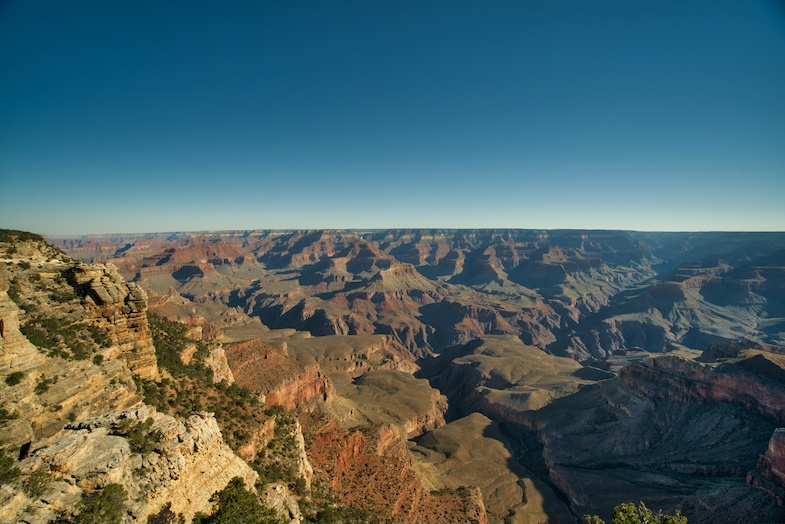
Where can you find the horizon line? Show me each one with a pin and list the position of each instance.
(381, 229)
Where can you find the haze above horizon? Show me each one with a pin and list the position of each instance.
(133, 117)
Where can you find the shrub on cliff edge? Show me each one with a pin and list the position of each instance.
(236, 504)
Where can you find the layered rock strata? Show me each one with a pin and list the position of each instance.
(119, 307)
(278, 379)
(186, 463)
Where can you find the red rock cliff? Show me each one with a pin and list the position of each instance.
(281, 380)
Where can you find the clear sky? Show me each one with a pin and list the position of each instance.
(157, 115)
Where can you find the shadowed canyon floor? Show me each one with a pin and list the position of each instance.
(434, 375)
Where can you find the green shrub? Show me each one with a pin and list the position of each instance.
(235, 504)
(42, 386)
(64, 339)
(629, 513)
(140, 438)
(8, 472)
(99, 336)
(166, 516)
(6, 415)
(170, 339)
(38, 336)
(37, 484)
(107, 505)
(272, 471)
(62, 295)
(12, 379)
(13, 291)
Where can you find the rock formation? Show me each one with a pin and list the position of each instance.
(379, 453)
(120, 308)
(76, 423)
(684, 434)
(186, 463)
(278, 379)
(52, 388)
(277, 497)
(485, 312)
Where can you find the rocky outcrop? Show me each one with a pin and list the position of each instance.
(352, 355)
(197, 464)
(181, 463)
(278, 379)
(298, 391)
(770, 473)
(51, 389)
(18, 354)
(755, 383)
(258, 441)
(387, 397)
(371, 469)
(664, 426)
(303, 466)
(277, 497)
(119, 307)
(92, 335)
(503, 378)
(216, 360)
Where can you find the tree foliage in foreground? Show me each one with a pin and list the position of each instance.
(629, 513)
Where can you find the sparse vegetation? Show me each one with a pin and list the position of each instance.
(61, 295)
(461, 491)
(192, 389)
(8, 472)
(345, 515)
(63, 338)
(42, 386)
(166, 516)
(170, 339)
(238, 413)
(279, 461)
(12, 379)
(6, 415)
(13, 235)
(106, 505)
(37, 483)
(235, 504)
(13, 291)
(140, 438)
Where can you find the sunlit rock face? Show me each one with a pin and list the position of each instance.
(583, 294)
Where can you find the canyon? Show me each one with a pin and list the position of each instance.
(402, 376)
(582, 294)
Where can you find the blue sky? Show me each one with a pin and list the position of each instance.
(141, 116)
